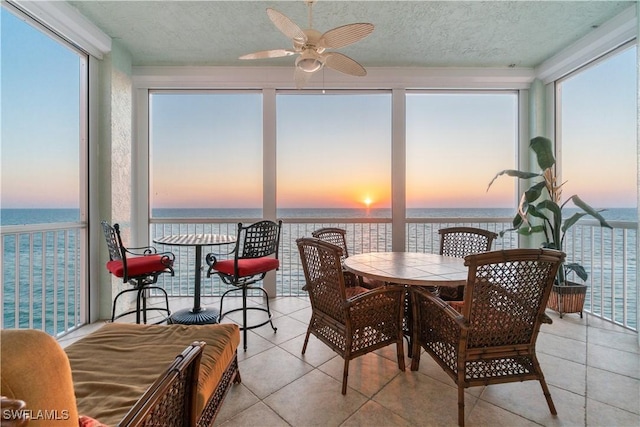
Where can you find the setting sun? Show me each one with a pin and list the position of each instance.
(367, 201)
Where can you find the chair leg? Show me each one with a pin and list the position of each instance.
(547, 395)
(244, 317)
(138, 296)
(345, 375)
(306, 338)
(143, 293)
(222, 299)
(266, 296)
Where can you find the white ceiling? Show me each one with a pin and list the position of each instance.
(407, 33)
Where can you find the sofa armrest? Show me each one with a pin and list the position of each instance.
(36, 369)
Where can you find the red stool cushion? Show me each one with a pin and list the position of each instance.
(137, 266)
(247, 266)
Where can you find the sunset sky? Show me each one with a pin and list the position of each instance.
(332, 150)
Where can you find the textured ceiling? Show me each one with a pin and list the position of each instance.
(407, 33)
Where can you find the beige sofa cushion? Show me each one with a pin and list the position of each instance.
(115, 365)
(36, 370)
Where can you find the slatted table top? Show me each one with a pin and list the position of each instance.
(195, 239)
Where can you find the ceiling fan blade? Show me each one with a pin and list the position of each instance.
(274, 53)
(286, 25)
(344, 64)
(301, 77)
(345, 35)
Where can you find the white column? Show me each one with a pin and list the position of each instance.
(398, 170)
(269, 174)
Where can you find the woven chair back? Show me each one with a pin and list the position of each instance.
(506, 295)
(323, 273)
(333, 235)
(462, 241)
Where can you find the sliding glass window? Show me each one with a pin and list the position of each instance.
(456, 143)
(597, 130)
(43, 177)
(334, 154)
(205, 154)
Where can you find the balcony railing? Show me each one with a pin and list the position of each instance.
(43, 285)
(42, 279)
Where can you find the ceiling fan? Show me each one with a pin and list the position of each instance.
(312, 46)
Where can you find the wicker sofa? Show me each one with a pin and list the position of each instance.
(118, 368)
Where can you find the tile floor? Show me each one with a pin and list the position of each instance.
(592, 368)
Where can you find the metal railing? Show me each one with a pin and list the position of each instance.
(42, 265)
(42, 275)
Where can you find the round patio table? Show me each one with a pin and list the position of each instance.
(198, 315)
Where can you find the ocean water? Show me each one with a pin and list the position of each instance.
(47, 264)
(45, 216)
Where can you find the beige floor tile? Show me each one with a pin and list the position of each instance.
(564, 373)
(422, 400)
(315, 400)
(374, 414)
(486, 414)
(303, 315)
(570, 326)
(610, 359)
(288, 328)
(527, 400)
(613, 389)
(317, 352)
(619, 339)
(255, 344)
(600, 414)
(563, 347)
(257, 415)
(271, 370)
(238, 399)
(288, 305)
(367, 373)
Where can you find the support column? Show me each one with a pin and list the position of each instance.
(269, 172)
(398, 170)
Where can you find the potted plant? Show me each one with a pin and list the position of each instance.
(543, 201)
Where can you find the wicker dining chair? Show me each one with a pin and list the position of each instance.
(350, 322)
(493, 340)
(460, 242)
(337, 236)
(139, 267)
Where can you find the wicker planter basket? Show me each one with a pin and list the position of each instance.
(568, 298)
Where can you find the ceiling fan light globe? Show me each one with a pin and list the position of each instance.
(308, 65)
(309, 62)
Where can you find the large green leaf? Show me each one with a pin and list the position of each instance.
(514, 173)
(568, 223)
(544, 151)
(578, 269)
(534, 192)
(589, 210)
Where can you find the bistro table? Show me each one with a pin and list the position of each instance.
(197, 315)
